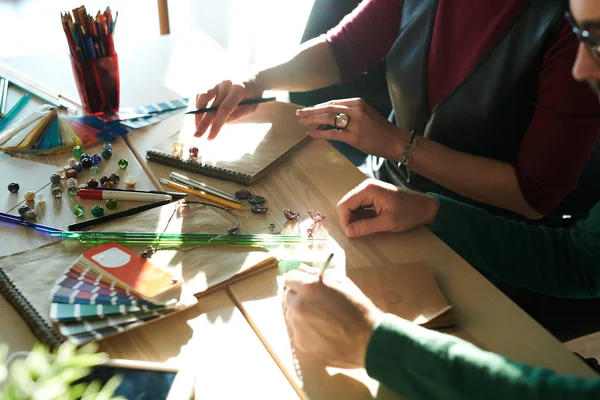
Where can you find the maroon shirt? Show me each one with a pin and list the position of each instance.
(566, 117)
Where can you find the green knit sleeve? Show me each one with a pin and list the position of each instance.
(423, 364)
(558, 262)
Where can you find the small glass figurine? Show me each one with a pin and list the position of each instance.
(194, 151)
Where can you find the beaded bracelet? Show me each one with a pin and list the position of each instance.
(407, 153)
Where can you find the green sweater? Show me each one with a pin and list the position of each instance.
(424, 364)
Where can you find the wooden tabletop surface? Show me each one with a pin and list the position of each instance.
(214, 337)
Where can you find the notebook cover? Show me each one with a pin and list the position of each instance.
(243, 152)
(408, 290)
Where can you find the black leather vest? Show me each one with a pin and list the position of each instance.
(488, 113)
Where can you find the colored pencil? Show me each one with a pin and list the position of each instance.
(13, 219)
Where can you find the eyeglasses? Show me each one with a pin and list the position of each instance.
(591, 41)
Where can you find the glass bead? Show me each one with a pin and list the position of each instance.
(108, 185)
(83, 186)
(93, 184)
(72, 182)
(30, 215)
(71, 173)
(13, 187)
(123, 163)
(94, 170)
(29, 196)
(77, 151)
(55, 178)
(86, 162)
(96, 159)
(111, 204)
(83, 155)
(254, 200)
(71, 161)
(259, 209)
(107, 146)
(79, 210)
(78, 167)
(56, 192)
(106, 154)
(41, 198)
(73, 191)
(193, 151)
(130, 180)
(177, 146)
(22, 210)
(243, 195)
(104, 179)
(97, 211)
(115, 178)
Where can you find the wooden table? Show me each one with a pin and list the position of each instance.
(215, 337)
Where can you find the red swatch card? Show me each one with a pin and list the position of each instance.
(136, 273)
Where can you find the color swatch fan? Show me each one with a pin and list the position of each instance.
(45, 131)
(110, 289)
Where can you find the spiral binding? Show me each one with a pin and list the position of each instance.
(33, 319)
(196, 167)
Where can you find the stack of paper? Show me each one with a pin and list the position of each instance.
(45, 131)
(110, 289)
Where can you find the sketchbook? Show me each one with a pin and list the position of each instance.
(243, 152)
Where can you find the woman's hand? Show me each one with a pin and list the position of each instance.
(330, 318)
(367, 130)
(227, 96)
(396, 209)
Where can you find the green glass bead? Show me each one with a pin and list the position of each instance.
(77, 151)
(123, 163)
(83, 186)
(106, 154)
(73, 190)
(111, 204)
(94, 170)
(97, 211)
(78, 210)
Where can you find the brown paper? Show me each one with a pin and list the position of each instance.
(34, 272)
(407, 290)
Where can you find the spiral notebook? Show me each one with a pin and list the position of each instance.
(243, 152)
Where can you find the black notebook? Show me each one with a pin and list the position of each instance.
(244, 150)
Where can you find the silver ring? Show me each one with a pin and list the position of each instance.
(341, 121)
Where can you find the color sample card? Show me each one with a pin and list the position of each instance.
(99, 295)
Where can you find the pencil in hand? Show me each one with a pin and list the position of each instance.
(324, 266)
(246, 102)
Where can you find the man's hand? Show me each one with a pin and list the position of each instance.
(330, 319)
(396, 209)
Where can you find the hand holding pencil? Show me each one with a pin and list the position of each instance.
(228, 96)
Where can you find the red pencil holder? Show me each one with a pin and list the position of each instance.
(98, 84)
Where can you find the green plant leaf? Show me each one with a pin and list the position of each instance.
(109, 388)
(91, 391)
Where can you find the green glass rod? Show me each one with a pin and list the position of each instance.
(181, 238)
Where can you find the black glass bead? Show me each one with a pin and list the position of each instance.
(87, 163)
(78, 167)
(92, 183)
(104, 179)
(259, 209)
(243, 194)
(115, 178)
(254, 200)
(83, 155)
(107, 153)
(13, 187)
(22, 210)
